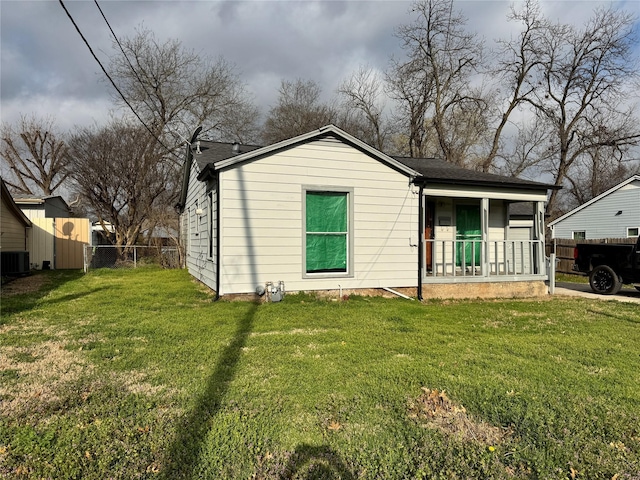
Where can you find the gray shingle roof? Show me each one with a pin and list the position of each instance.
(213, 152)
(433, 170)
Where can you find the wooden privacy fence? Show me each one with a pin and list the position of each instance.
(563, 248)
(59, 241)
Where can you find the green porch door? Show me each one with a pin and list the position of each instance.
(468, 235)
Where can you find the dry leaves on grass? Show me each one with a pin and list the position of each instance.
(434, 409)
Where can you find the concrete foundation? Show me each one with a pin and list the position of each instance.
(489, 290)
(486, 290)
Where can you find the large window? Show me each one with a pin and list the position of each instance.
(327, 232)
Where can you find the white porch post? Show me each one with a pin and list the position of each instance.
(538, 234)
(484, 214)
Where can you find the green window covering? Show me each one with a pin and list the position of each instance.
(468, 235)
(326, 232)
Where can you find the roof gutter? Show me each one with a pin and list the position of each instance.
(489, 183)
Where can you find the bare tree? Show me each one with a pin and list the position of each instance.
(585, 82)
(299, 110)
(174, 89)
(434, 84)
(35, 154)
(531, 147)
(517, 61)
(117, 172)
(363, 108)
(594, 174)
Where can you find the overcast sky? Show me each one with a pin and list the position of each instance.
(47, 70)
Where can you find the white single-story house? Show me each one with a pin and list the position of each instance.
(612, 214)
(324, 211)
(14, 235)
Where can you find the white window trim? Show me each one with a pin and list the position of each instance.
(573, 234)
(629, 235)
(210, 227)
(318, 188)
(188, 231)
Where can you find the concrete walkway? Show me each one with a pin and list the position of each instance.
(584, 290)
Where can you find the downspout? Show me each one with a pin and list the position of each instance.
(420, 239)
(218, 276)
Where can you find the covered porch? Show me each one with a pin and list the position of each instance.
(473, 236)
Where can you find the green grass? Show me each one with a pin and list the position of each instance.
(139, 374)
(571, 278)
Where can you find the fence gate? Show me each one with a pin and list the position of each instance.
(71, 235)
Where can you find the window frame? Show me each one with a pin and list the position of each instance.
(583, 232)
(630, 235)
(348, 191)
(210, 226)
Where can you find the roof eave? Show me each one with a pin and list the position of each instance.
(423, 179)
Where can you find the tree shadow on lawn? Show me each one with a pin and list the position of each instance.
(316, 462)
(184, 451)
(614, 316)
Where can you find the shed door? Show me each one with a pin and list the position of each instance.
(468, 235)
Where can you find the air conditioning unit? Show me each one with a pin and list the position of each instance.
(14, 263)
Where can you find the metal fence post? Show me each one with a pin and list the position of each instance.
(135, 257)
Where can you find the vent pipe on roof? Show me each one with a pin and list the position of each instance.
(235, 148)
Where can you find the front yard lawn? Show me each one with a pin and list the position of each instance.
(139, 374)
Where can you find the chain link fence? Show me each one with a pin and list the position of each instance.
(109, 256)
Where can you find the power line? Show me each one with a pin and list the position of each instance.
(124, 54)
(112, 82)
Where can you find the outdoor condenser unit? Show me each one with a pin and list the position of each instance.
(14, 263)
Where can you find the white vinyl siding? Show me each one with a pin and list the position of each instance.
(199, 263)
(13, 231)
(33, 212)
(262, 215)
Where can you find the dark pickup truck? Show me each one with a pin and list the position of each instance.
(609, 265)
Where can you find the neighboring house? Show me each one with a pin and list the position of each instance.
(98, 234)
(50, 206)
(326, 212)
(612, 214)
(57, 240)
(14, 235)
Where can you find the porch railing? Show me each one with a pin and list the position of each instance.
(475, 258)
